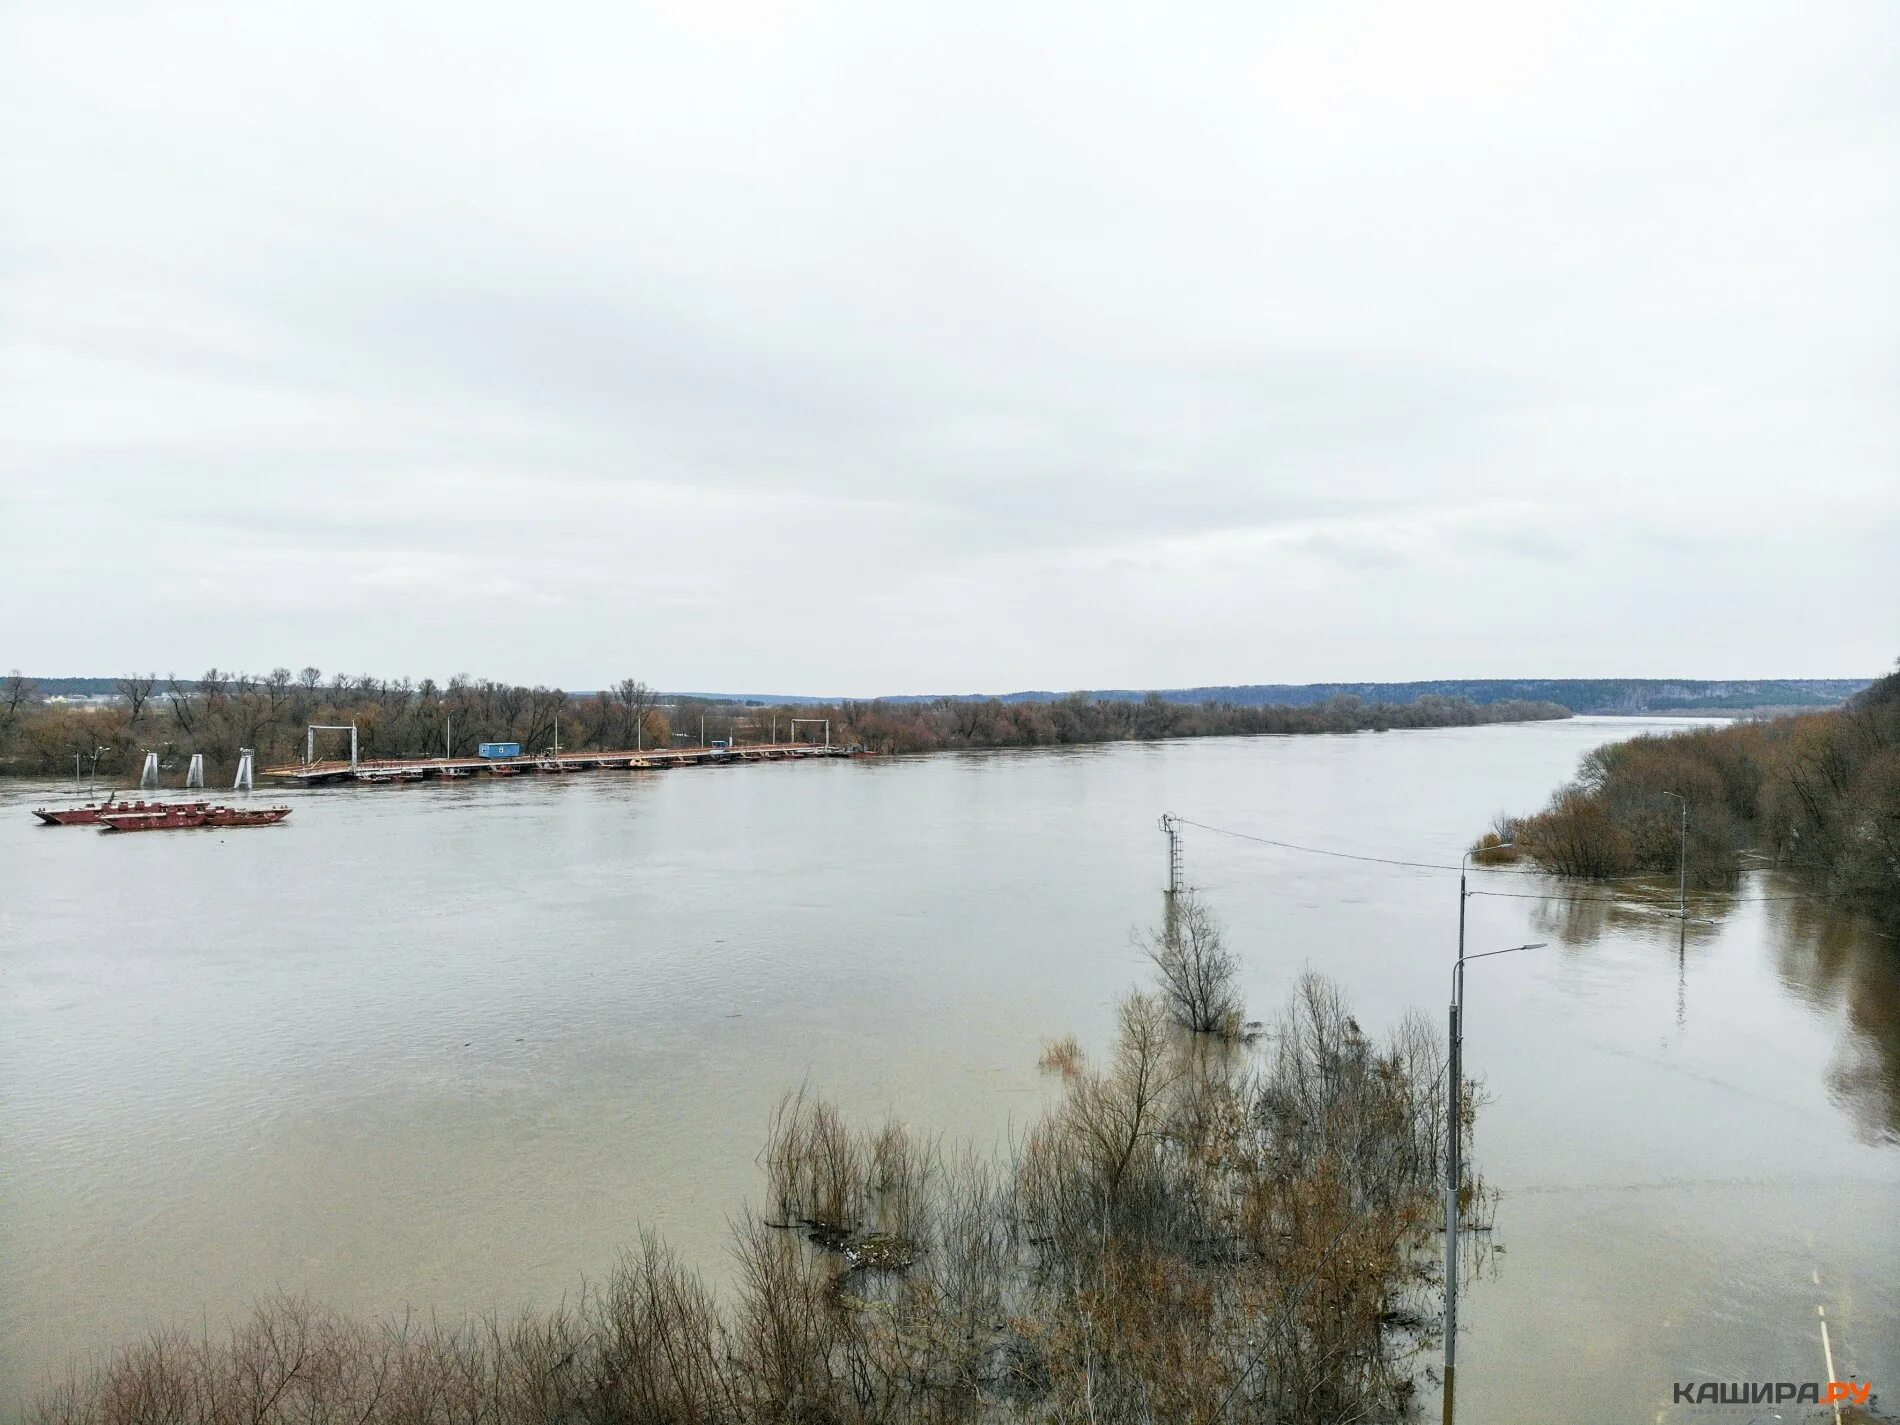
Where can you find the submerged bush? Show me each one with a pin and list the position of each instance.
(1193, 1232)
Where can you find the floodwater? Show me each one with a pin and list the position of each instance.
(452, 1047)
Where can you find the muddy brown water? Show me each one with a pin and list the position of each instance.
(451, 1047)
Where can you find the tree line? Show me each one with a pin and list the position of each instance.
(219, 712)
(1817, 793)
(1580, 695)
(1085, 718)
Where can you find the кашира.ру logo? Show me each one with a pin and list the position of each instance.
(1772, 1392)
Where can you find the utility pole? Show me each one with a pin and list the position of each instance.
(1169, 825)
(1454, 1129)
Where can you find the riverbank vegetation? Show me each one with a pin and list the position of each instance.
(1192, 1231)
(220, 712)
(1818, 794)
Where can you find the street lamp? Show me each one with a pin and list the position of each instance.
(1452, 1164)
(79, 754)
(1452, 1129)
(1682, 860)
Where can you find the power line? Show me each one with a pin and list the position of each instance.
(1317, 850)
(1384, 860)
(1734, 898)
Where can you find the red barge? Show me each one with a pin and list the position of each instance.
(94, 812)
(190, 817)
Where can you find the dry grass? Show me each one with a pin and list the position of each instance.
(1498, 846)
(1062, 1056)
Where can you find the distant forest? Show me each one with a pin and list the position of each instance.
(44, 731)
(1577, 695)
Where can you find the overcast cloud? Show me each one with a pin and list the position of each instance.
(875, 348)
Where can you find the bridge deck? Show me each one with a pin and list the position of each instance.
(416, 769)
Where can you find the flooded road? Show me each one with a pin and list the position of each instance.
(452, 1047)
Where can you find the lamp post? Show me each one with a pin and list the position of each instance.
(1682, 860)
(1452, 1129)
(1452, 1163)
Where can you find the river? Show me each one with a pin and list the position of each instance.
(452, 1046)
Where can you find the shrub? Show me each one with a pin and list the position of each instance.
(1194, 1232)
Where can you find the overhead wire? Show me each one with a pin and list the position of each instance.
(1733, 897)
(1388, 860)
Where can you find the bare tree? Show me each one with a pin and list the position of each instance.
(1197, 972)
(545, 708)
(16, 692)
(636, 700)
(137, 691)
(182, 696)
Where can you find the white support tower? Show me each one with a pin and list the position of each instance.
(1174, 853)
(195, 774)
(246, 773)
(310, 740)
(148, 778)
(825, 720)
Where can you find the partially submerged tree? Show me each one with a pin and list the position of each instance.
(1198, 974)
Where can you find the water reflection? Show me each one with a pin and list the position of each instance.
(1580, 914)
(1834, 961)
(1837, 960)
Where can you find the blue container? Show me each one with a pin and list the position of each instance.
(501, 749)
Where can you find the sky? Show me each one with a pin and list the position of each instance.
(889, 347)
